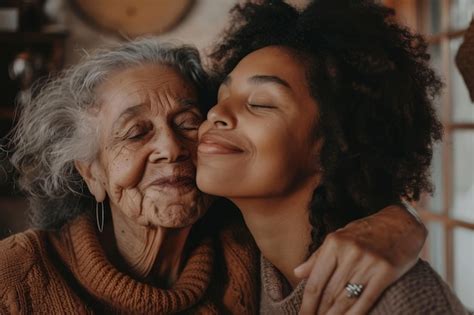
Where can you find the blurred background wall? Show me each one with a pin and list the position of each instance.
(199, 26)
(65, 35)
(449, 213)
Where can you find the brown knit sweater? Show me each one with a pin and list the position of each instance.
(419, 292)
(67, 272)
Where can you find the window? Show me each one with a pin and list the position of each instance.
(449, 214)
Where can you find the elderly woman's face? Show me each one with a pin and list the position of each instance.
(148, 124)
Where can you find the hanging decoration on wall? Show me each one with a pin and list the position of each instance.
(465, 59)
(132, 18)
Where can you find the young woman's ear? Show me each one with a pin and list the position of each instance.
(92, 173)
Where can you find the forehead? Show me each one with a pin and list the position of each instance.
(273, 60)
(153, 90)
(145, 81)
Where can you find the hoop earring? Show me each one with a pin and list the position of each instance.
(100, 225)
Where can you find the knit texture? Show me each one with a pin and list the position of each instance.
(67, 272)
(277, 296)
(419, 292)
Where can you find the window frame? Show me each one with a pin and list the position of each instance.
(416, 15)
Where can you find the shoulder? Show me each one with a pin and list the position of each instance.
(19, 253)
(420, 291)
(237, 262)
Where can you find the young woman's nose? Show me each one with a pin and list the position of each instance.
(169, 148)
(222, 116)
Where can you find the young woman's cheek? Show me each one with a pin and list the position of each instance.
(281, 158)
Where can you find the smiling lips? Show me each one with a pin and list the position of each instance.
(213, 144)
(175, 182)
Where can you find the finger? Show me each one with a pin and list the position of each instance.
(344, 302)
(332, 292)
(375, 288)
(324, 267)
(364, 271)
(304, 270)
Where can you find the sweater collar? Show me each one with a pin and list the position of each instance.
(277, 296)
(80, 248)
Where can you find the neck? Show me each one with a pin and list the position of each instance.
(148, 253)
(281, 228)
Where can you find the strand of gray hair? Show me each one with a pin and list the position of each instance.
(55, 125)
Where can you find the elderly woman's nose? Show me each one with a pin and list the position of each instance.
(168, 148)
(222, 115)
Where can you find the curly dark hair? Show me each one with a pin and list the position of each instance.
(375, 91)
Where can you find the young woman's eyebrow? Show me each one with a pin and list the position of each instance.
(260, 79)
(264, 79)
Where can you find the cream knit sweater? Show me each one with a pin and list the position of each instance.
(419, 292)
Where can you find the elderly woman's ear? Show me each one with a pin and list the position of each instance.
(92, 174)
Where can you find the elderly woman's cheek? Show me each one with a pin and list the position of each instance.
(126, 174)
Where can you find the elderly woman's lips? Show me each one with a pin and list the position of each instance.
(174, 182)
(217, 145)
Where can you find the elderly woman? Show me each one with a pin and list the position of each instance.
(105, 154)
(323, 116)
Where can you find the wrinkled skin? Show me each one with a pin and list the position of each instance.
(147, 120)
(148, 124)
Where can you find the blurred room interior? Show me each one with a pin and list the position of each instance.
(40, 37)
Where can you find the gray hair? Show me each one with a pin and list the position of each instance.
(55, 125)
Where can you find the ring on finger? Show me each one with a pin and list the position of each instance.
(354, 290)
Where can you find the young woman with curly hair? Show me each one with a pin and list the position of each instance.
(323, 116)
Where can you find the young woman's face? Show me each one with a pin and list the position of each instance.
(258, 141)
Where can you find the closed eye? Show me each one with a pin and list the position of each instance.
(261, 106)
(137, 135)
(138, 131)
(188, 121)
(188, 125)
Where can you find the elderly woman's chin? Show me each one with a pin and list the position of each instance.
(170, 210)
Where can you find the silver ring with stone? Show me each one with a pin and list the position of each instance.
(354, 290)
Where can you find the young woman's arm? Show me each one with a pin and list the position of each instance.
(374, 252)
